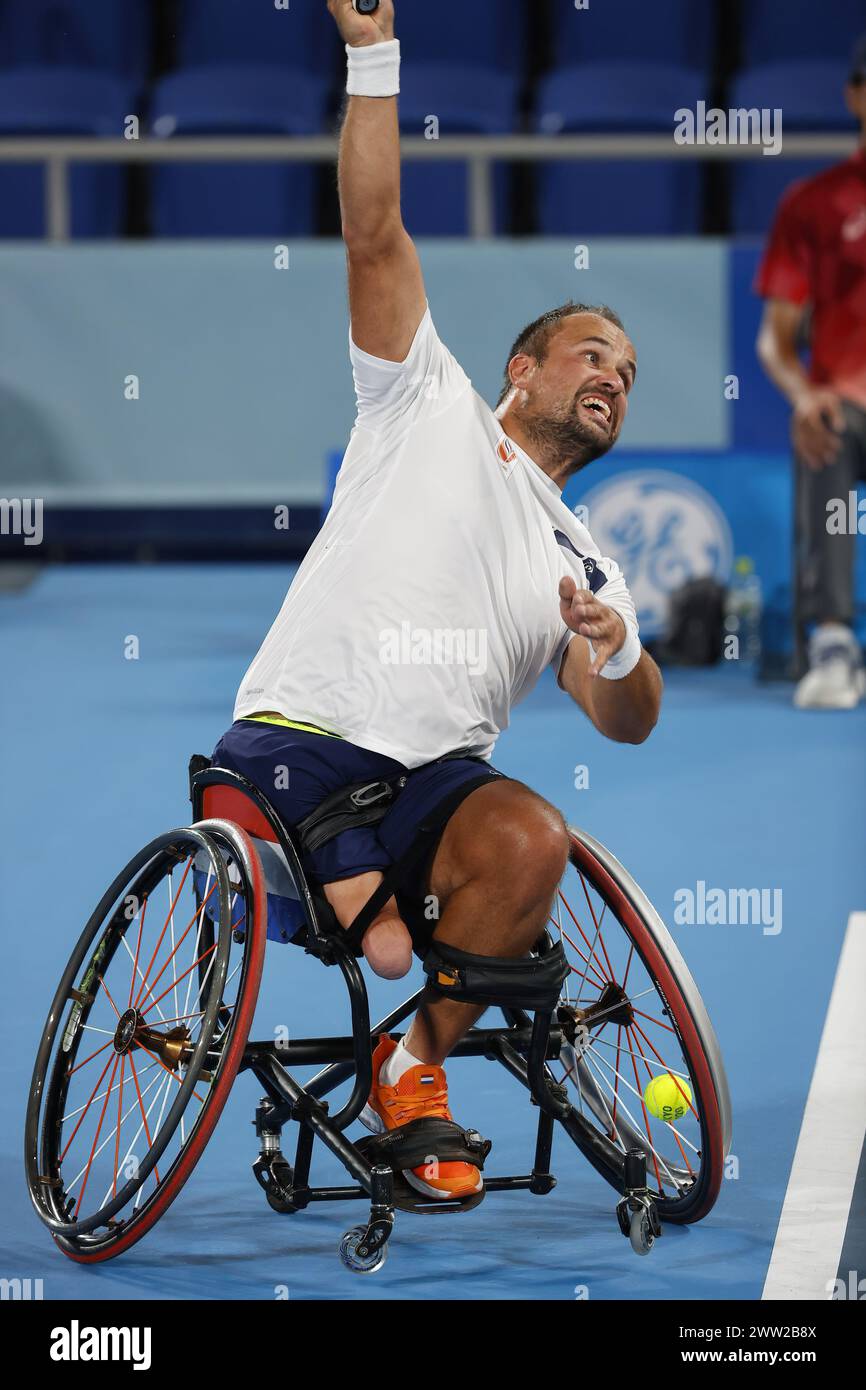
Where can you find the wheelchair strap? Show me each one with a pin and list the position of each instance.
(529, 982)
(427, 1140)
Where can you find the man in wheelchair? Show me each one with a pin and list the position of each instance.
(448, 575)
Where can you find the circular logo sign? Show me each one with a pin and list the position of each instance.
(662, 530)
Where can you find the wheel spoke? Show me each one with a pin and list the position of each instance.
(70, 1114)
(603, 1042)
(597, 924)
(161, 1082)
(174, 947)
(95, 1142)
(198, 937)
(195, 963)
(88, 1105)
(613, 1130)
(151, 987)
(99, 1050)
(606, 978)
(164, 930)
(616, 1084)
(168, 1070)
(600, 981)
(119, 1114)
(628, 965)
(165, 1095)
(101, 979)
(70, 1187)
(136, 968)
(656, 1021)
(141, 1108)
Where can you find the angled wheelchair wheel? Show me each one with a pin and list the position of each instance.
(632, 1013)
(144, 1038)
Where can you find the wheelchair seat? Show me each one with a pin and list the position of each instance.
(218, 794)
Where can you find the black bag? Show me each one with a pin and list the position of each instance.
(696, 625)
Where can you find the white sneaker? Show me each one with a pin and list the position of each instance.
(836, 679)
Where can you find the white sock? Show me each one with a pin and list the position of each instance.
(397, 1064)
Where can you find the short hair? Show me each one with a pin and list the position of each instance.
(535, 338)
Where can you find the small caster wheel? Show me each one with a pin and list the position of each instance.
(640, 1232)
(273, 1173)
(279, 1200)
(351, 1247)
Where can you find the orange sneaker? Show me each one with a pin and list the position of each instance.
(421, 1092)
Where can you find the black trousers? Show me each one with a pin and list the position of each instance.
(824, 562)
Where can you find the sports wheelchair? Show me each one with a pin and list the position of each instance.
(150, 1025)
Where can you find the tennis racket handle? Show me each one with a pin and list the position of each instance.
(365, 6)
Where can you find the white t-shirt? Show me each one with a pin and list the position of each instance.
(428, 604)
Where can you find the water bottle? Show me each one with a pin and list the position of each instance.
(743, 609)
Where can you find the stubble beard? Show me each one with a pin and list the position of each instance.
(563, 440)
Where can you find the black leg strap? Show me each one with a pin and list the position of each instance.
(529, 982)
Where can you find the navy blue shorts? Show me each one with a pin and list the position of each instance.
(297, 770)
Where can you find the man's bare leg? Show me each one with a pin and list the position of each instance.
(387, 945)
(496, 870)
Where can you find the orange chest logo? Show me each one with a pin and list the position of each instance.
(507, 454)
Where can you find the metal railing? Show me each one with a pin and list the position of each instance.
(479, 152)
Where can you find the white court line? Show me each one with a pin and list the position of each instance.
(814, 1215)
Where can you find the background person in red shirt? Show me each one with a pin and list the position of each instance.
(816, 262)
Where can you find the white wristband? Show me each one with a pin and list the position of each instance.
(374, 70)
(624, 661)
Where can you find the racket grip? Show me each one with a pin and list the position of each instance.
(366, 6)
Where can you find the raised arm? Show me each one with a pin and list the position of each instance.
(386, 288)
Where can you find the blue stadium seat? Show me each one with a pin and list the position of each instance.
(485, 33)
(667, 31)
(104, 34)
(810, 97)
(463, 100)
(774, 32)
(245, 199)
(606, 197)
(62, 101)
(810, 93)
(253, 31)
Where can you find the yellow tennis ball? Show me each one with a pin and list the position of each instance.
(667, 1098)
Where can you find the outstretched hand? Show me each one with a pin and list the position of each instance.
(581, 611)
(358, 30)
